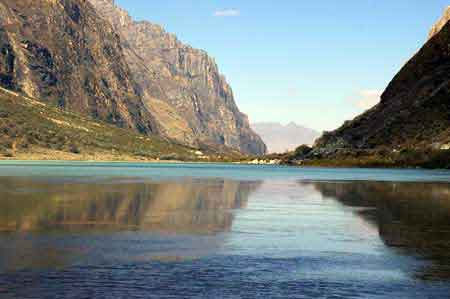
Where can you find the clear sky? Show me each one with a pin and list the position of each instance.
(317, 63)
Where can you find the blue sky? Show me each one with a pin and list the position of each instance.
(317, 63)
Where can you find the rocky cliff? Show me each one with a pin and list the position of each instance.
(182, 86)
(414, 111)
(62, 52)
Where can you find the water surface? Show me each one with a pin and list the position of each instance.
(119, 230)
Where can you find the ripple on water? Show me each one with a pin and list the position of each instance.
(114, 231)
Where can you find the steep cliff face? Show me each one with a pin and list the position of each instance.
(62, 52)
(182, 86)
(414, 111)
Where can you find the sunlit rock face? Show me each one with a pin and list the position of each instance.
(62, 52)
(415, 107)
(412, 216)
(441, 23)
(185, 206)
(182, 86)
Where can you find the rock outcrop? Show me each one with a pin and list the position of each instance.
(414, 111)
(62, 52)
(182, 86)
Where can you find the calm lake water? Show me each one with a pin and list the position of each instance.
(121, 230)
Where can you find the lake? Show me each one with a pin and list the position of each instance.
(130, 230)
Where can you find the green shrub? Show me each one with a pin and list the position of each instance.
(170, 157)
(302, 151)
(73, 148)
(438, 159)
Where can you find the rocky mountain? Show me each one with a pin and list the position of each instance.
(280, 138)
(414, 111)
(62, 52)
(135, 76)
(181, 86)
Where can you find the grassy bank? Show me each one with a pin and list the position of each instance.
(406, 158)
(31, 130)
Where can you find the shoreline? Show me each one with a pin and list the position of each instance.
(5, 161)
(48, 155)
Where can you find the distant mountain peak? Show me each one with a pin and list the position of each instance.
(280, 138)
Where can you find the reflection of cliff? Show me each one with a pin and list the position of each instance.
(175, 206)
(413, 216)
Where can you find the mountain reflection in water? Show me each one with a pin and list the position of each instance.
(89, 235)
(53, 223)
(186, 206)
(413, 217)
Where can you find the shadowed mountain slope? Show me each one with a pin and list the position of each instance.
(414, 111)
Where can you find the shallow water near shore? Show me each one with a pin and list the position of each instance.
(130, 230)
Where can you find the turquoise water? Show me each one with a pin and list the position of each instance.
(229, 171)
(129, 230)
